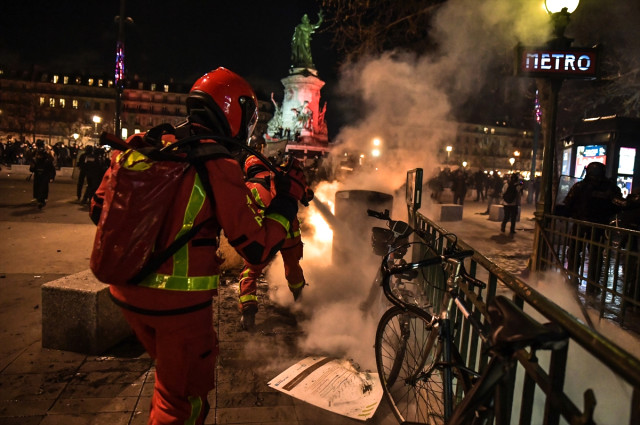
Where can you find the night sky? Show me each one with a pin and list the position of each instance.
(180, 40)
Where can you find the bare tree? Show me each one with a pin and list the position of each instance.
(362, 27)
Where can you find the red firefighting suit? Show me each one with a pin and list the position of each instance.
(291, 250)
(171, 310)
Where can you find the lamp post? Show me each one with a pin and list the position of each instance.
(559, 11)
(448, 149)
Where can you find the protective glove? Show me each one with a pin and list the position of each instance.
(292, 180)
(308, 197)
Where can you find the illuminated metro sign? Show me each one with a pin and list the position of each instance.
(567, 63)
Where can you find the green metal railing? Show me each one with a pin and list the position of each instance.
(602, 260)
(544, 379)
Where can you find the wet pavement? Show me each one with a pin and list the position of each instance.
(43, 386)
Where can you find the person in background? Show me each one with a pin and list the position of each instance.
(44, 172)
(258, 180)
(594, 200)
(82, 167)
(494, 191)
(511, 199)
(171, 310)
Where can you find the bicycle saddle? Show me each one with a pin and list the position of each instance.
(513, 329)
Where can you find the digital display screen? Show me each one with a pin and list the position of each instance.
(587, 154)
(566, 162)
(627, 160)
(624, 183)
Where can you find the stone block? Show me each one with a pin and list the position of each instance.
(78, 315)
(496, 213)
(450, 212)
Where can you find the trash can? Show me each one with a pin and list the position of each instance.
(352, 237)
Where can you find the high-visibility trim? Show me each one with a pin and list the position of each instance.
(280, 219)
(296, 285)
(247, 298)
(134, 160)
(256, 196)
(181, 283)
(294, 234)
(196, 201)
(196, 409)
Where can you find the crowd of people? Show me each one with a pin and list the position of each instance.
(488, 185)
(44, 159)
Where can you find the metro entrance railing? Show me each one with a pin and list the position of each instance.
(546, 380)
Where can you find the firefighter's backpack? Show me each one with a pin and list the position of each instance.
(140, 188)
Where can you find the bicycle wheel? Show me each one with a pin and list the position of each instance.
(407, 353)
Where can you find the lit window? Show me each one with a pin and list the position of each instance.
(90, 81)
(100, 83)
(78, 80)
(65, 80)
(110, 83)
(74, 103)
(493, 131)
(52, 102)
(124, 133)
(62, 103)
(153, 86)
(55, 79)
(166, 88)
(136, 131)
(41, 101)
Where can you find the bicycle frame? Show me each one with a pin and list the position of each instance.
(418, 360)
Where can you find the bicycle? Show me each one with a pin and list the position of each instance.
(423, 375)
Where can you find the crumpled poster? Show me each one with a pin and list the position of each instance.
(332, 384)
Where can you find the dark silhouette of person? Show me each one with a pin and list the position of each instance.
(511, 205)
(592, 200)
(44, 171)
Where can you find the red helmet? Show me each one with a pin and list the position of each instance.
(254, 165)
(226, 102)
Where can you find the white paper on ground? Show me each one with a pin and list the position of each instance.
(332, 384)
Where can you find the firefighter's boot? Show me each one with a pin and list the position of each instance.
(248, 319)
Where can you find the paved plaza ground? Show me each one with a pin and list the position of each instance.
(51, 387)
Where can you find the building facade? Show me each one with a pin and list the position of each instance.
(70, 109)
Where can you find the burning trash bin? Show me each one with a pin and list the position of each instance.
(352, 237)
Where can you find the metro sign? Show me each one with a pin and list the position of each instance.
(567, 63)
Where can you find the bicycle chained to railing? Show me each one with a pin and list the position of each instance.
(423, 375)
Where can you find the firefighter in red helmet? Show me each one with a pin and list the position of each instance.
(171, 310)
(258, 180)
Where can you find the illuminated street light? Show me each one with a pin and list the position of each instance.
(555, 6)
(448, 149)
(376, 142)
(512, 161)
(375, 152)
(464, 164)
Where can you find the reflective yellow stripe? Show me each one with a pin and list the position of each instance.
(245, 298)
(294, 234)
(180, 283)
(297, 285)
(256, 196)
(196, 408)
(196, 201)
(280, 219)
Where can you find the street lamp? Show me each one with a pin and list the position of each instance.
(559, 11)
(512, 161)
(448, 149)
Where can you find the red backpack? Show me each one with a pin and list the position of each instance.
(140, 189)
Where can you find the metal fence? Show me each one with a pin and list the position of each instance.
(603, 261)
(542, 392)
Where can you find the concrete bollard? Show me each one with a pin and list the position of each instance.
(78, 315)
(450, 212)
(496, 213)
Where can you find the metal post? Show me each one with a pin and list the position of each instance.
(119, 66)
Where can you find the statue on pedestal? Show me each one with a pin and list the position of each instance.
(301, 42)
